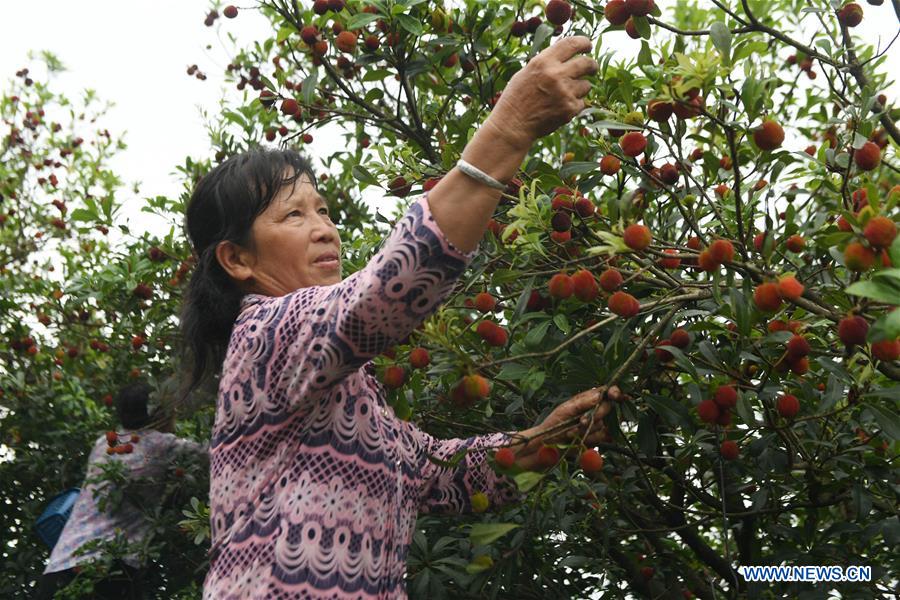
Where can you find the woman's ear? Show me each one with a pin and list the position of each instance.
(235, 260)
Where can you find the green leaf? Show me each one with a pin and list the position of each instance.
(721, 39)
(894, 250)
(534, 337)
(562, 323)
(540, 36)
(527, 480)
(887, 327)
(309, 86)
(643, 26)
(888, 420)
(512, 372)
(577, 168)
(410, 24)
(876, 290)
(362, 175)
(483, 534)
(360, 20)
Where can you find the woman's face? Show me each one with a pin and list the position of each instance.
(290, 238)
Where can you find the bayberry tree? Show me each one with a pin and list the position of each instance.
(87, 305)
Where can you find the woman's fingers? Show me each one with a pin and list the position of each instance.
(581, 88)
(581, 66)
(565, 48)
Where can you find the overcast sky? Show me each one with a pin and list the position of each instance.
(135, 53)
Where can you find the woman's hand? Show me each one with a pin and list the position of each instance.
(546, 94)
(552, 430)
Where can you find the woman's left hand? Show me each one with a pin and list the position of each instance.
(550, 431)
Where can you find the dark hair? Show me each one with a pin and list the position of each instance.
(223, 206)
(131, 405)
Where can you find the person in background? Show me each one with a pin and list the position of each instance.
(146, 447)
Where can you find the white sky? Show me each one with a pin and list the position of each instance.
(135, 53)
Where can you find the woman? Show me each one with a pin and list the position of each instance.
(151, 449)
(315, 484)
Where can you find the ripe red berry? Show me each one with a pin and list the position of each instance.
(637, 237)
(610, 280)
(858, 258)
(547, 457)
(484, 302)
(726, 396)
(795, 243)
(505, 458)
(880, 232)
(112, 438)
(850, 15)
(670, 263)
(729, 450)
(722, 250)
(476, 387)
(609, 164)
(419, 358)
(624, 304)
(561, 286)
(789, 287)
(633, 143)
(590, 461)
(230, 11)
(708, 411)
(797, 347)
(493, 334)
(639, 8)
(769, 135)
(868, 157)
(558, 12)
(680, 338)
(345, 41)
(853, 330)
(585, 286)
(394, 376)
(309, 35)
(658, 110)
(616, 12)
(707, 262)
(767, 297)
(886, 350)
(788, 406)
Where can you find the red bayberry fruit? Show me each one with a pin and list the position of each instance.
(726, 396)
(788, 406)
(590, 461)
(419, 358)
(637, 237)
(505, 458)
(611, 280)
(729, 450)
(853, 330)
(708, 411)
(585, 286)
(767, 297)
(561, 286)
(624, 304)
(394, 376)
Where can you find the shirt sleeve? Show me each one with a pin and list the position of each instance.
(315, 336)
(449, 490)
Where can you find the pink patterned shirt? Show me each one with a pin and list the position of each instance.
(315, 483)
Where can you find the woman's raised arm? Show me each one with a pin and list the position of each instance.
(546, 94)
